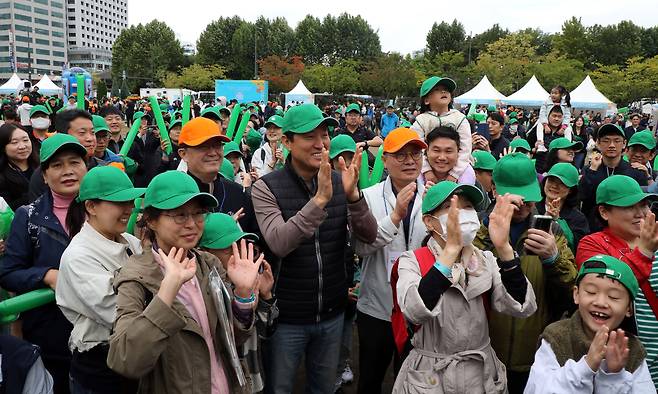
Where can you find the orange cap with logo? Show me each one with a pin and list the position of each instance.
(199, 130)
(398, 138)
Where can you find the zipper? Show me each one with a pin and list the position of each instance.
(319, 257)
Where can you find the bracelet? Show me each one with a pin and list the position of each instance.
(447, 272)
(245, 300)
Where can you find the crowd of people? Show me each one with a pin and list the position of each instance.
(501, 250)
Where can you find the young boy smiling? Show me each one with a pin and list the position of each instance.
(590, 352)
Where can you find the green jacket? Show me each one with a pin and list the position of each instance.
(514, 339)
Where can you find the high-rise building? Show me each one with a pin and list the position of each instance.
(92, 27)
(32, 37)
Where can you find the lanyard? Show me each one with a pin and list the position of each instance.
(411, 226)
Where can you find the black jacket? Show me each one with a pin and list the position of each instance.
(14, 186)
(148, 155)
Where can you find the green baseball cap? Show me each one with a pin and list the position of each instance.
(253, 140)
(406, 123)
(305, 118)
(621, 191)
(338, 111)
(232, 147)
(483, 160)
(609, 128)
(226, 110)
(275, 120)
(440, 192)
(564, 143)
(175, 123)
(516, 174)
(512, 115)
(139, 115)
(565, 172)
(644, 138)
(211, 112)
(353, 108)
(431, 82)
(612, 268)
(279, 112)
(99, 123)
(341, 143)
(53, 144)
(164, 107)
(108, 183)
(39, 109)
(226, 169)
(520, 144)
(221, 231)
(492, 108)
(513, 121)
(172, 189)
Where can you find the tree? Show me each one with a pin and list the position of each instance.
(445, 37)
(195, 77)
(241, 65)
(636, 79)
(144, 52)
(340, 78)
(614, 44)
(555, 69)
(506, 62)
(389, 75)
(282, 73)
(573, 42)
(357, 39)
(308, 36)
(214, 43)
(480, 41)
(542, 42)
(101, 89)
(649, 42)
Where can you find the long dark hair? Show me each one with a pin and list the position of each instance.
(76, 216)
(565, 94)
(6, 131)
(582, 131)
(148, 214)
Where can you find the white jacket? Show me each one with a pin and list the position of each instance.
(546, 376)
(376, 298)
(84, 285)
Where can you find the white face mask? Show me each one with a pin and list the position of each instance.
(513, 128)
(40, 123)
(468, 223)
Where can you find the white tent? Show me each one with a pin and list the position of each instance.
(532, 94)
(300, 94)
(47, 87)
(482, 93)
(13, 85)
(587, 96)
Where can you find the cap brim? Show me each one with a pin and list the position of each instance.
(274, 123)
(332, 155)
(628, 201)
(75, 146)
(227, 240)
(418, 142)
(201, 140)
(312, 125)
(124, 195)
(530, 193)
(207, 200)
(471, 192)
(643, 144)
(563, 180)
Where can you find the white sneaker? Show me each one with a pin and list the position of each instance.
(347, 376)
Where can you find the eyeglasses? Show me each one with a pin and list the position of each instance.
(182, 218)
(402, 156)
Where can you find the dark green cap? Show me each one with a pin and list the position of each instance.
(108, 183)
(440, 192)
(39, 109)
(139, 115)
(99, 123)
(644, 138)
(51, 145)
(513, 121)
(211, 112)
(175, 123)
(565, 172)
(173, 189)
(221, 231)
(431, 82)
(483, 160)
(621, 191)
(353, 108)
(341, 143)
(305, 118)
(232, 147)
(564, 143)
(516, 174)
(613, 268)
(253, 140)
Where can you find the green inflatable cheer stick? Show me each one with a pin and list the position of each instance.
(242, 127)
(364, 172)
(187, 101)
(130, 138)
(81, 90)
(26, 302)
(164, 134)
(472, 110)
(132, 221)
(377, 168)
(233, 121)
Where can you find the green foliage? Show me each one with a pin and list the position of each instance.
(144, 52)
(389, 75)
(480, 41)
(101, 89)
(195, 77)
(506, 62)
(635, 79)
(340, 78)
(445, 37)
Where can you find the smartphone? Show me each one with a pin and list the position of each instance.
(483, 130)
(542, 222)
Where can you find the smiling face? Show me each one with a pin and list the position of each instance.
(273, 133)
(601, 301)
(306, 149)
(204, 160)
(554, 188)
(109, 218)
(625, 222)
(404, 165)
(64, 173)
(639, 154)
(566, 155)
(442, 155)
(186, 235)
(19, 147)
(115, 123)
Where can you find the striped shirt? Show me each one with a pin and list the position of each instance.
(647, 324)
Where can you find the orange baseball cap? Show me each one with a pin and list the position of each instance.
(398, 138)
(199, 130)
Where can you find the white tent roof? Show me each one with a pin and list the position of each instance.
(532, 94)
(12, 85)
(482, 93)
(587, 96)
(300, 88)
(46, 86)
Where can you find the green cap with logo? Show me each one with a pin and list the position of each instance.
(53, 144)
(520, 145)
(221, 231)
(621, 191)
(513, 121)
(354, 107)
(173, 189)
(609, 128)
(99, 123)
(211, 113)
(564, 143)
(610, 267)
(226, 170)
(516, 174)
(232, 147)
(108, 183)
(440, 192)
(40, 109)
(565, 172)
(275, 120)
(305, 118)
(341, 143)
(253, 140)
(644, 138)
(483, 160)
(431, 82)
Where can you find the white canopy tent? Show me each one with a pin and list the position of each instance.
(482, 93)
(587, 96)
(48, 87)
(532, 94)
(300, 94)
(13, 85)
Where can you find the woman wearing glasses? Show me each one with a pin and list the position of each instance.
(166, 329)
